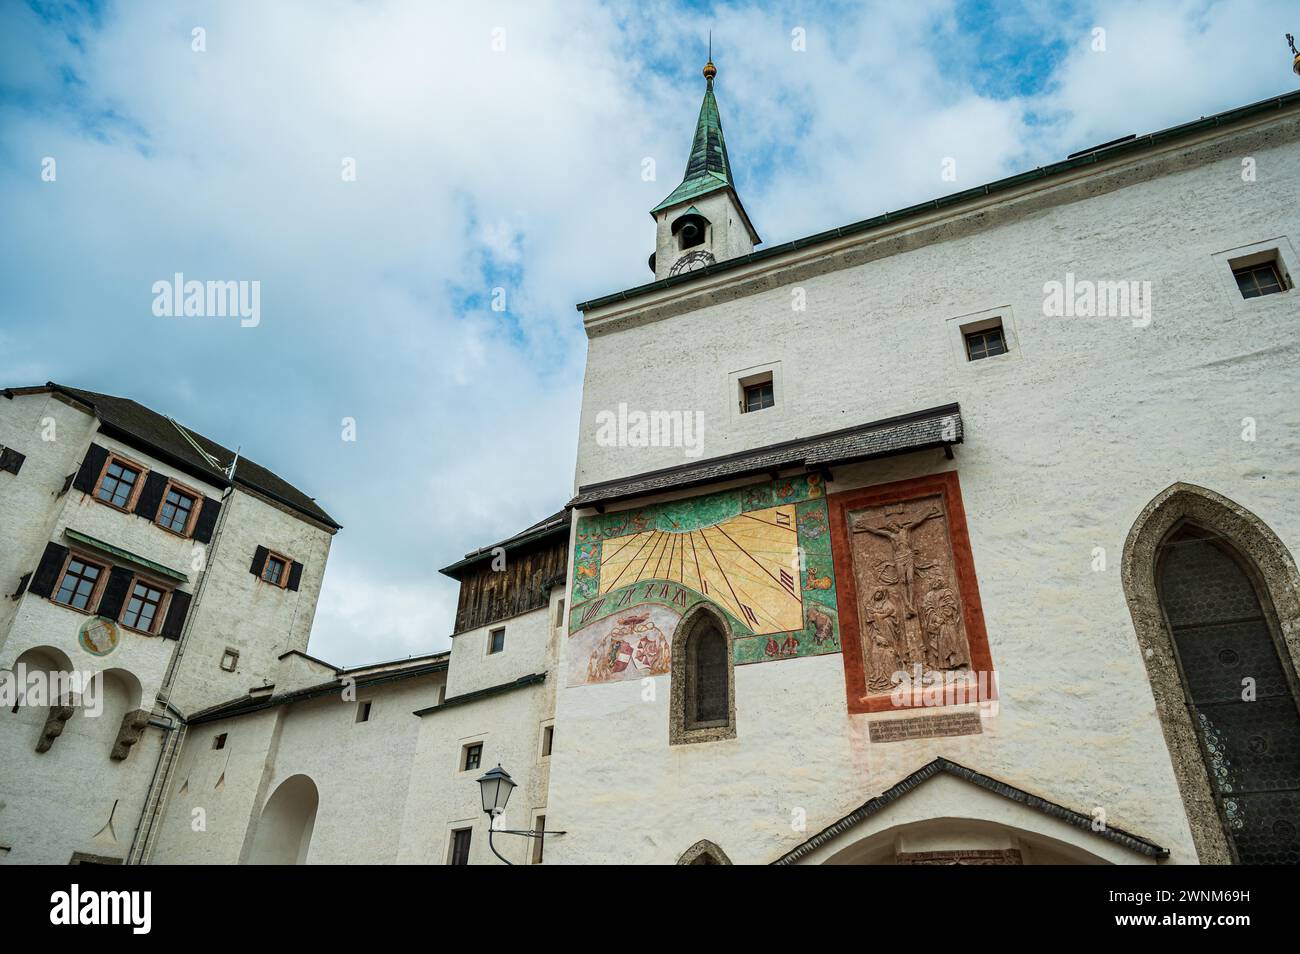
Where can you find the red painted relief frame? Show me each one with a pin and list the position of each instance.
(946, 485)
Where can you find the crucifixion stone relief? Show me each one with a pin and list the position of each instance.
(908, 606)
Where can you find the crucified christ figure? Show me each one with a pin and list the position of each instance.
(899, 534)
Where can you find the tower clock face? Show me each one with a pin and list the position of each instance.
(691, 262)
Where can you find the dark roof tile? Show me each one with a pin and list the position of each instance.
(135, 423)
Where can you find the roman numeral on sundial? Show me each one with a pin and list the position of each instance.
(592, 609)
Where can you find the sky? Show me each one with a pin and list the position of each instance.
(499, 152)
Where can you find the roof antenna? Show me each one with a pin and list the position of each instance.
(212, 461)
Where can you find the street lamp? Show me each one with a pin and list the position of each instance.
(495, 786)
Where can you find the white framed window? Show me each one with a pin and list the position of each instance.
(547, 741)
(1256, 274)
(471, 756)
(984, 341)
(758, 389)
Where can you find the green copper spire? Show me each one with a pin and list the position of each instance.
(708, 168)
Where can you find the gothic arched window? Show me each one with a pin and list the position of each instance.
(1239, 690)
(706, 659)
(703, 694)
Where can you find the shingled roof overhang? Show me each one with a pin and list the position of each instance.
(243, 705)
(1088, 157)
(904, 434)
(532, 679)
(556, 524)
(873, 805)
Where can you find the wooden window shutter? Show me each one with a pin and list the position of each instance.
(207, 522)
(176, 613)
(47, 573)
(259, 561)
(151, 495)
(91, 465)
(11, 460)
(295, 575)
(115, 590)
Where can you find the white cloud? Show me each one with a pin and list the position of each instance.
(476, 168)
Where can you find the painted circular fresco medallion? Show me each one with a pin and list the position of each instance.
(98, 636)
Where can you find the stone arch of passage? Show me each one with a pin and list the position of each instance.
(704, 852)
(983, 842)
(1272, 570)
(283, 832)
(703, 620)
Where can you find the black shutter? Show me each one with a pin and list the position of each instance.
(115, 590)
(295, 575)
(146, 505)
(11, 460)
(91, 465)
(67, 482)
(176, 613)
(259, 560)
(47, 574)
(207, 521)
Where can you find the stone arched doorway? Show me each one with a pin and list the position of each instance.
(283, 832)
(704, 852)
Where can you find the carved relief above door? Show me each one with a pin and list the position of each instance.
(909, 603)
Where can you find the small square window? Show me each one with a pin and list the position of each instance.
(496, 640)
(219, 742)
(1263, 278)
(363, 711)
(471, 757)
(985, 343)
(118, 482)
(757, 396)
(548, 736)
(229, 660)
(539, 826)
(177, 506)
(459, 854)
(77, 587)
(273, 572)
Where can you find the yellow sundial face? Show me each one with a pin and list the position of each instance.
(747, 564)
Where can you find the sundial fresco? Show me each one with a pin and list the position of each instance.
(746, 564)
(760, 554)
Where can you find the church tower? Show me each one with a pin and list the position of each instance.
(702, 221)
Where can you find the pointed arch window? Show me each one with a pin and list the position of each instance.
(703, 688)
(1239, 687)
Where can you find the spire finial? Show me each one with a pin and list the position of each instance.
(710, 70)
